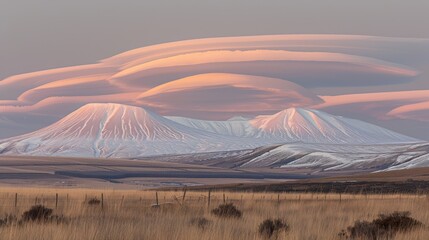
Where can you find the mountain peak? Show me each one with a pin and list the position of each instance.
(288, 118)
(302, 125)
(106, 130)
(296, 110)
(112, 121)
(315, 126)
(111, 107)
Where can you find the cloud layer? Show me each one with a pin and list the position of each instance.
(226, 94)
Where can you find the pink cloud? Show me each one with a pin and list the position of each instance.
(222, 92)
(417, 111)
(127, 76)
(77, 86)
(12, 87)
(383, 105)
(65, 104)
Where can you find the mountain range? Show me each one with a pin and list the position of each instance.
(121, 131)
(300, 125)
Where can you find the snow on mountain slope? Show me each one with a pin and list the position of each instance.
(317, 158)
(300, 125)
(114, 130)
(322, 157)
(235, 127)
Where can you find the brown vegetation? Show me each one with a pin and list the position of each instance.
(129, 215)
(272, 228)
(386, 226)
(227, 210)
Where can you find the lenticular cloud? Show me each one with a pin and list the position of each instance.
(221, 77)
(226, 94)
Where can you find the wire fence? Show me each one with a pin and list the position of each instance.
(103, 200)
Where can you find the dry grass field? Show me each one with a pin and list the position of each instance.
(130, 215)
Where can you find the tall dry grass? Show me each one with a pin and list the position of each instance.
(129, 215)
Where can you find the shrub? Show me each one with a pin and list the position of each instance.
(94, 201)
(7, 220)
(269, 227)
(397, 221)
(37, 213)
(227, 210)
(200, 222)
(383, 227)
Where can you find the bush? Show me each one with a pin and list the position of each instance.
(227, 210)
(94, 201)
(7, 220)
(397, 221)
(383, 227)
(269, 227)
(200, 222)
(37, 213)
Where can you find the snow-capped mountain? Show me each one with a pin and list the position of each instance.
(300, 125)
(114, 130)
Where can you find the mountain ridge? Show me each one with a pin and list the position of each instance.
(117, 130)
(301, 124)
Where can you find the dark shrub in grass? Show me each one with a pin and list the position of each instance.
(200, 222)
(8, 219)
(386, 226)
(42, 214)
(37, 213)
(227, 210)
(94, 201)
(397, 221)
(272, 227)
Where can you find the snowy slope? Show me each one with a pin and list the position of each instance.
(300, 125)
(323, 157)
(114, 130)
(318, 158)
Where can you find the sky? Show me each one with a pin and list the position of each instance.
(46, 34)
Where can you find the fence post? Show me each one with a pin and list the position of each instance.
(16, 200)
(56, 200)
(184, 195)
(278, 198)
(102, 200)
(208, 200)
(156, 195)
(224, 201)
